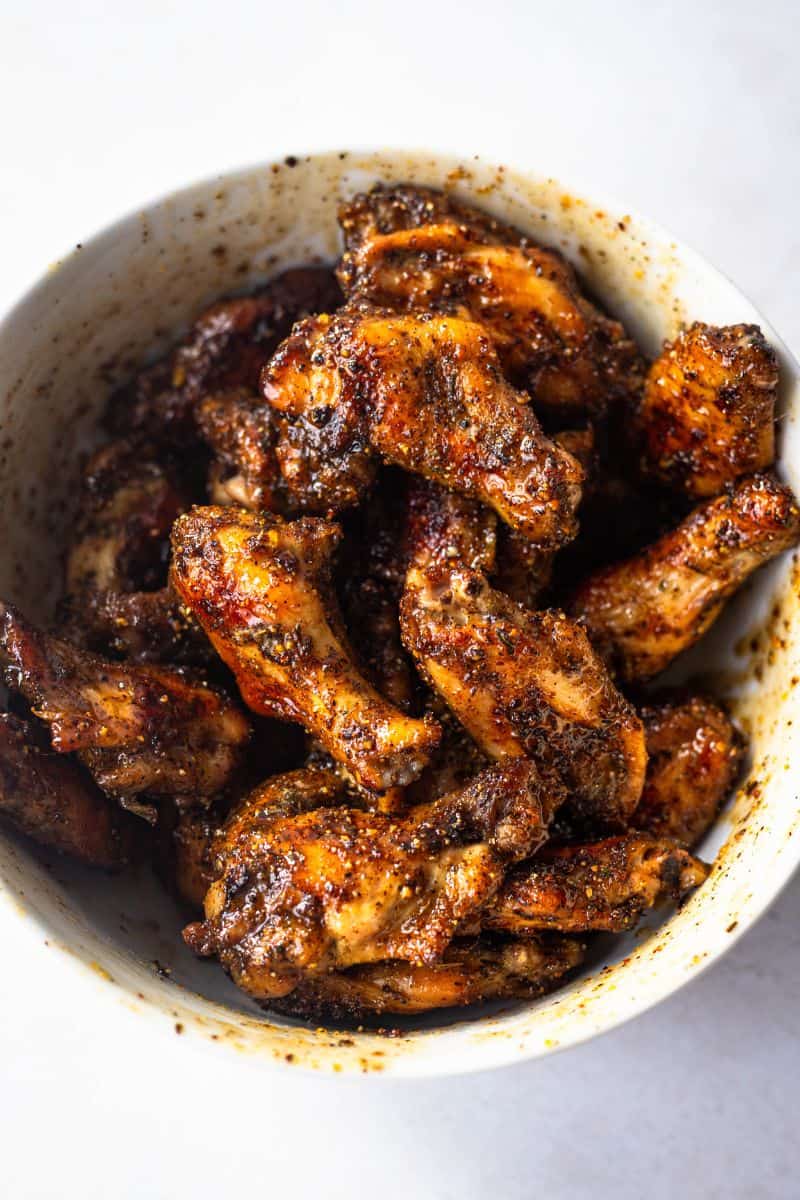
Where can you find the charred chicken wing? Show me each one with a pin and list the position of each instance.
(695, 754)
(469, 972)
(427, 394)
(261, 589)
(415, 250)
(643, 612)
(138, 729)
(707, 412)
(605, 886)
(306, 884)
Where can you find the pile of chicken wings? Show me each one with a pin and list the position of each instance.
(365, 588)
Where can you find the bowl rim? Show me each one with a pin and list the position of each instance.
(494, 1053)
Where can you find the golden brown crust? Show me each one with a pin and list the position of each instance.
(643, 612)
(261, 588)
(695, 755)
(604, 886)
(707, 412)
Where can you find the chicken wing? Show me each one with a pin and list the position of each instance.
(412, 249)
(695, 756)
(470, 972)
(427, 394)
(225, 349)
(306, 884)
(261, 589)
(53, 801)
(190, 844)
(522, 683)
(707, 412)
(138, 729)
(604, 886)
(643, 612)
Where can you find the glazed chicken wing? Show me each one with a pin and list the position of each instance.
(240, 428)
(261, 589)
(53, 801)
(427, 394)
(523, 683)
(412, 249)
(707, 412)
(305, 883)
(470, 972)
(643, 612)
(695, 754)
(225, 349)
(138, 729)
(604, 886)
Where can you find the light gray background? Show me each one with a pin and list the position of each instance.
(691, 113)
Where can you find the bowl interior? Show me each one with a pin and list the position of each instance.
(120, 300)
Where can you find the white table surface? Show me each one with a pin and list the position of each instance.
(691, 113)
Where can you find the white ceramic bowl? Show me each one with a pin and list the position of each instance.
(121, 298)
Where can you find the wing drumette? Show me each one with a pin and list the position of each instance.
(261, 589)
(306, 883)
(707, 413)
(411, 249)
(138, 729)
(604, 886)
(427, 394)
(643, 612)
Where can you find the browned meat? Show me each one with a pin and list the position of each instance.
(240, 428)
(707, 412)
(53, 801)
(261, 588)
(444, 528)
(306, 884)
(605, 886)
(426, 394)
(415, 250)
(469, 972)
(138, 729)
(643, 612)
(521, 683)
(225, 348)
(695, 756)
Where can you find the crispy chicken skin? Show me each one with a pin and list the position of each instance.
(643, 612)
(469, 972)
(53, 801)
(521, 683)
(138, 729)
(695, 755)
(261, 588)
(604, 886)
(306, 884)
(225, 349)
(427, 394)
(413, 249)
(707, 412)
